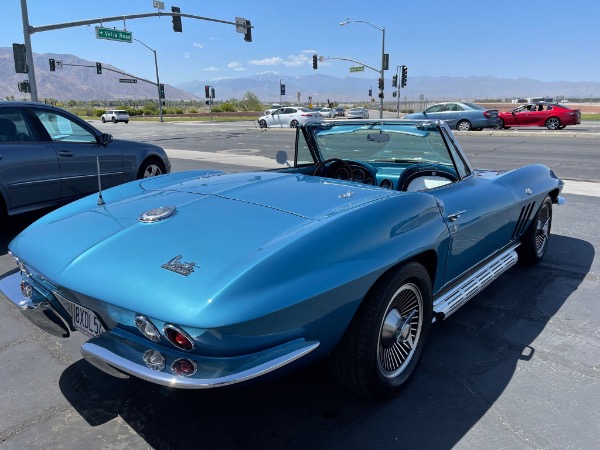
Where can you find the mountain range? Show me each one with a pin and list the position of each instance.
(83, 83)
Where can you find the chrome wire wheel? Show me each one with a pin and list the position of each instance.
(400, 331)
(542, 229)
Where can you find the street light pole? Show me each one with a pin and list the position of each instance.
(160, 110)
(381, 74)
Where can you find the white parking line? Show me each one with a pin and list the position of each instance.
(588, 188)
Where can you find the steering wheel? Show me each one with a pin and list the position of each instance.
(322, 165)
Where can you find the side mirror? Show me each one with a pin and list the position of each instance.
(106, 139)
(281, 157)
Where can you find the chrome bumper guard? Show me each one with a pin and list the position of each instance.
(122, 357)
(38, 308)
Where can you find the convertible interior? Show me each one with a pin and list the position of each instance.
(402, 155)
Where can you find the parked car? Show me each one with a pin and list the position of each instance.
(288, 117)
(272, 108)
(339, 111)
(50, 157)
(371, 232)
(462, 116)
(358, 113)
(115, 115)
(327, 113)
(541, 114)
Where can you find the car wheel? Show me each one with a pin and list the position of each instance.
(384, 341)
(103, 120)
(553, 123)
(114, 120)
(500, 124)
(294, 123)
(535, 240)
(151, 168)
(262, 123)
(463, 125)
(126, 121)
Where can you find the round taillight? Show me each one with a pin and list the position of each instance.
(184, 367)
(147, 328)
(178, 338)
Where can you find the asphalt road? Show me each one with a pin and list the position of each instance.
(517, 367)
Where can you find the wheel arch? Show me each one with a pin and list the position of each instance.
(150, 159)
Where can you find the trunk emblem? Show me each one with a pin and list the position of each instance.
(182, 268)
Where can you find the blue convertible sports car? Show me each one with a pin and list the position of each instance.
(374, 231)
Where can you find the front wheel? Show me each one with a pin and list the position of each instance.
(553, 123)
(262, 123)
(294, 123)
(463, 125)
(103, 120)
(535, 240)
(385, 340)
(500, 124)
(150, 168)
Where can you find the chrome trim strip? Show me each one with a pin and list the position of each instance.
(452, 300)
(96, 351)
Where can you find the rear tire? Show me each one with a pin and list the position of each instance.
(114, 120)
(553, 123)
(463, 125)
(384, 342)
(535, 240)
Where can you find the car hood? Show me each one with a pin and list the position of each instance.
(224, 227)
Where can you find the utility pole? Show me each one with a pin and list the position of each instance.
(29, 52)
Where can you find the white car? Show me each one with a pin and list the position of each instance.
(358, 113)
(327, 113)
(289, 116)
(115, 115)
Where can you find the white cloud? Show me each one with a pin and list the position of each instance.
(186, 55)
(198, 45)
(236, 65)
(211, 69)
(274, 61)
(297, 60)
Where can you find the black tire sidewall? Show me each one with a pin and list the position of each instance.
(527, 251)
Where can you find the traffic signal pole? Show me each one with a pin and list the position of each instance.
(28, 51)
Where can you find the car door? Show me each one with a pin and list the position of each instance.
(451, 113)
(274, 119)
(80, 154)
(29, 168)
(287, 116)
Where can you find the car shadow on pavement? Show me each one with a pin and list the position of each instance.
(468, 364)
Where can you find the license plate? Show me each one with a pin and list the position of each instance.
(85, 320)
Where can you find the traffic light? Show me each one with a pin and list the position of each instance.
(404, 76)
(176, 19)
(381, 84)
(315, 64)
(207, 91)
(99, 68)
(395, 81)
(20, 58)
(248, 33)
(282, 89)
(162, 90)
(212, 92)
(370, 93)
(52, 64)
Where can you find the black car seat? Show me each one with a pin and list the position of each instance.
(8, 130)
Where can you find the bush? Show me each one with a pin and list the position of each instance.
(178, 111)
(193, 111)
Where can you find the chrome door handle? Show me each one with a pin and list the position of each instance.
(456, 215)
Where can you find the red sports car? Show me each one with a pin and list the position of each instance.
(549, 115)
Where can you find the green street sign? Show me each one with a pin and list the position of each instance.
(114, 35)
(357, 69)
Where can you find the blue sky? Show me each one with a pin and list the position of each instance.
(547, 40)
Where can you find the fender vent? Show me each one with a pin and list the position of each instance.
(523, 220)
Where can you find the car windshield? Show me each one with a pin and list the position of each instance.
(382, 142)
(356, 109)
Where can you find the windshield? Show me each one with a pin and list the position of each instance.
(382, 142)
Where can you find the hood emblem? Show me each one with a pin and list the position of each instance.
(182, 268)
(157, 214)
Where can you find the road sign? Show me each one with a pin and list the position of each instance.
(58, 63)
(114, 35)
(357, 69)
(127, 80)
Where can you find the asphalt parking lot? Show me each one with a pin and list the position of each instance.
(517, 367)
